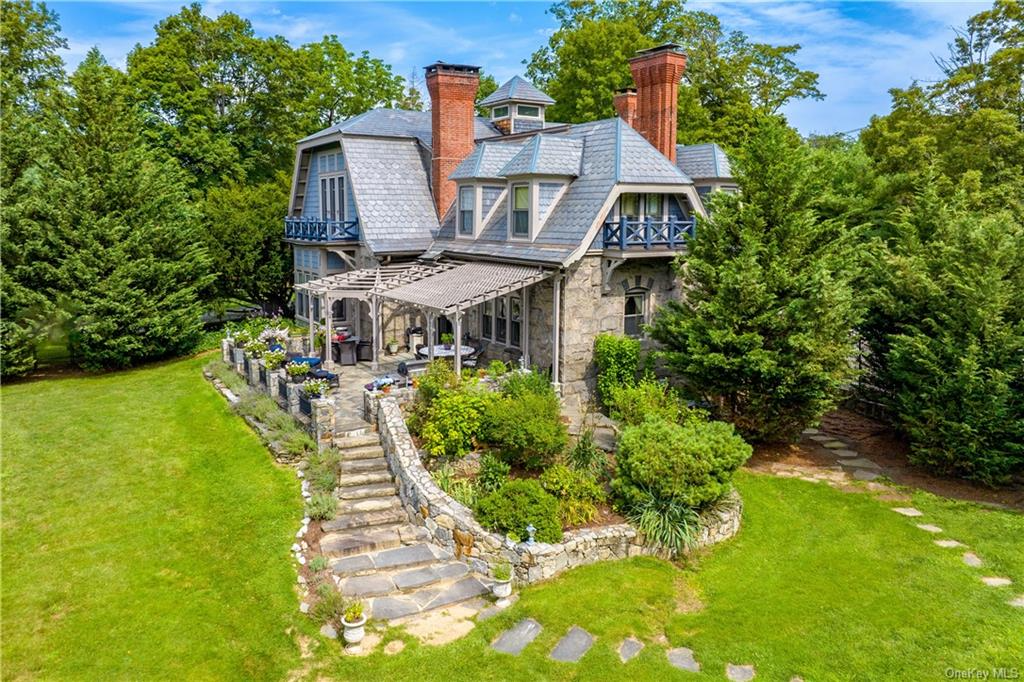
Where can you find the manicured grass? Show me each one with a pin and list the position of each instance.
(145, 532)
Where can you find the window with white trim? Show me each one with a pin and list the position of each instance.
(499, 112)
(501, 320)
(638, 206)
(467, 204)
(527, 111)
(332, 197)
(634, 313)
(521, 211)
(307, 268)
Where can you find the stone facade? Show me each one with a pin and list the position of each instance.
(453, 526)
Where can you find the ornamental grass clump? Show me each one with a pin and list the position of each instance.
(578, 494)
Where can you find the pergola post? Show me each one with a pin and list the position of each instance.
(556, 316)
(328, 346)
(458, 343)
(309, 318)
(375, 313)
(430, 336)
(526, 326)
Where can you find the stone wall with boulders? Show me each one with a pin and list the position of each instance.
(453, 526)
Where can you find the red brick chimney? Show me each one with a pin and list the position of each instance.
(625, 104)
(657, 72)
(452, 89)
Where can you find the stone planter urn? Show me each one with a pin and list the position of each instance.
(354, 631)
(502, 589)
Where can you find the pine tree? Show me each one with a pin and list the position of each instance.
(133, 263)
(764, 330)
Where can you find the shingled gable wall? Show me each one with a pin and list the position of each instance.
(452, 91)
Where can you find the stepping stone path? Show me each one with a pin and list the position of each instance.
(834, 444)
(682, 658)
(515, 639)
(866, 475)
(907, 511)
(949, 543)
(860, 463)
(929, 527)
(1017, 601)
(629, 648)
(820, 438)
(376, 554)
(573, 646)
(972, 559)
(739, 673)
(843, 452)
(996, 582)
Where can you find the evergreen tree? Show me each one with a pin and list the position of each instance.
(133, 263)
(764, 330)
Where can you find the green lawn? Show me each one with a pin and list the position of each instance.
(146, 535)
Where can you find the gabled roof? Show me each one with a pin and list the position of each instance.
(516, 90)
(486, 160)
(396, 123)
(546, 155)
(703, 161)
(392, 193)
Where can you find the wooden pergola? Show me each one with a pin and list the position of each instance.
(440, 288)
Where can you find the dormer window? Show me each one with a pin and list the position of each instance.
(527, 111)
(499, 112)
(521, 211)
(467, 205)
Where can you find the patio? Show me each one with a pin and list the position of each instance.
(441, 290)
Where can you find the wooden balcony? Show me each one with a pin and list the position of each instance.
(648, 234)
(317, 230)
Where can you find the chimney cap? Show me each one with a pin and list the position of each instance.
(665, 47)
(444, 67)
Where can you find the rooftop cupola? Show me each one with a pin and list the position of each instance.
(517, 106)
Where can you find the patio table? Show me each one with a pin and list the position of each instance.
(441, 352)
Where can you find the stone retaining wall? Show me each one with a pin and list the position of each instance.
(452, 525)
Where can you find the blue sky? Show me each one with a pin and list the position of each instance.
(860, 49)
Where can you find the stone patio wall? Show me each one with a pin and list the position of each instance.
(453, 526)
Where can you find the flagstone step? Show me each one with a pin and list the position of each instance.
(408, 556)
(427, 599)
(362, 466)
(515, 639)
(367, 478)
(369, 504)
(406, 580)
(363, 452)
(358, 492)
(354, 521)
(348, 543)
(357, 441)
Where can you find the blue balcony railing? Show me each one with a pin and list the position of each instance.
(316, 230)
(648, 233)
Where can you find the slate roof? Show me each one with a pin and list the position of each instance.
(396, 123)
(486, 160)
(517, 89)
(703, 161)
(546, 155)
(392, 191)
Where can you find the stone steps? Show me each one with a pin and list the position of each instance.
(364, 520)
(356, 441)
(369, 504)
(409, 556)
(367, 478)
(347, 543)
(426, 599)
(404, 580)
(362, 466)
(358, 492)
(363, 452)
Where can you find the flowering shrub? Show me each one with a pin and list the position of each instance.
(296, 369)
(274, 358)
(315, 387)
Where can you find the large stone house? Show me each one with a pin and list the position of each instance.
(531, 235)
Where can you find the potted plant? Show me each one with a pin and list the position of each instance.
(273, 358)
(241, 339)
(354, 621)
(296, 370)
(315, 388)
(256, 349)
(392, 346)
(447, 340)
(502, 587)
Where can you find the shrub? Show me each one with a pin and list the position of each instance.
(664, 523)
(534, 382)
(493, 473)
(461, 490)
(527, 430)
(321, 506)
(452, 422)
(497, 368)
(330, 605)
(518, 504)
(319, 563)
(635, 403)
(585, 456)
(692, 464)
(577, 492)
(618, 361)
(439, 378)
